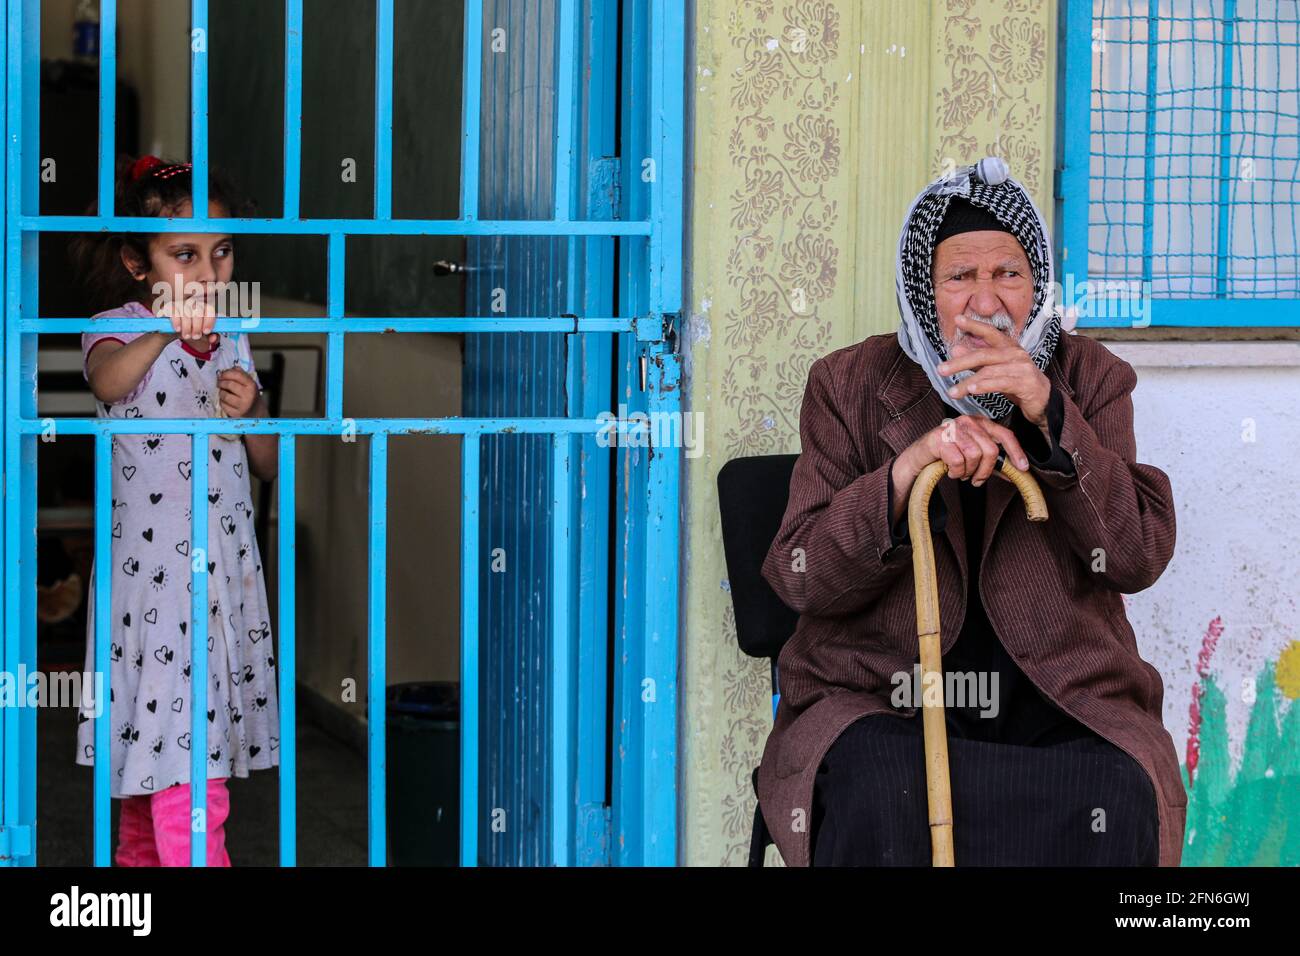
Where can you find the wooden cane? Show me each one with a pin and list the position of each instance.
(938, 789)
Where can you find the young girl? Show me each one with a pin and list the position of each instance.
(190, 373)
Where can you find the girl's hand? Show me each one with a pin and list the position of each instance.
(192, 319)
(238, 392)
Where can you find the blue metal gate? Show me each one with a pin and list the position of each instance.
(548, 742)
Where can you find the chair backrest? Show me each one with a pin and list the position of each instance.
(752, 496)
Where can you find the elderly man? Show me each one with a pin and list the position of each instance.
(1062, 757)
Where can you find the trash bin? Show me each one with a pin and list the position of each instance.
(423, 734)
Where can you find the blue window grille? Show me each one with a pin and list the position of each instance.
(644, 229)
(1177, 194)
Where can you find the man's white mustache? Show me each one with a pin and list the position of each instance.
(1000, 321)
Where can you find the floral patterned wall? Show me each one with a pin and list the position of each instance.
(993, 88)
(816, 123)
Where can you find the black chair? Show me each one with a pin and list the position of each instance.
(752, 497)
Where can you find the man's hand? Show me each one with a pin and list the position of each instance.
(238, 392)
(1004, 367)
(968, 443)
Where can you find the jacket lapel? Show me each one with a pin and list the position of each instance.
(913, 408)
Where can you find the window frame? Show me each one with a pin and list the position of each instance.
(1074, 200)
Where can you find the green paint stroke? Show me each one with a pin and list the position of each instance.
(1252, 818)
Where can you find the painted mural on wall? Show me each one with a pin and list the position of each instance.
(1219, 625)
(1250, 815)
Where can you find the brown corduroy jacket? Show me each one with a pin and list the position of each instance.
(1051, 590)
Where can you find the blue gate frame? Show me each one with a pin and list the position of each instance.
(648, 233)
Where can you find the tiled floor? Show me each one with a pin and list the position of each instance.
(331, 802)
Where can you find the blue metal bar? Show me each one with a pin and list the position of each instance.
(103, 575)
(334, 376)
(288, 657)
(384, 109)
(199, 565)
(561, 663)
(25, 485)
(107, 105)
(471, 108)
(555, 324)
(334, 307)
(26, 532)
(377, 651)
(471, 561)
(658, 754)
(589, 392)
(323, 227)
(321, 426)
(1128, 130)
(8, 736)
(629, 596)
(22, 263)
(1206, 313)
(1078, 109)
(1223, 237)
(667, 115)
(292, 107)
(9, 743)
(199, 41)
(567, 104)
(1149, 138)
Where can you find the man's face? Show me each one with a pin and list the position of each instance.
(984, 275)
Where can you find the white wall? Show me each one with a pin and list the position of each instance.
(1238, 514)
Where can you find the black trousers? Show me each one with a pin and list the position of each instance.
(1069, 799)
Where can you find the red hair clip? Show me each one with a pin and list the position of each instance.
(143, 165)
(152, 165)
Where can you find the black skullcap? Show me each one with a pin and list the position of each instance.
(965, 216)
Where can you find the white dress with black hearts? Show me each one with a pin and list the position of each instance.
(149, 662)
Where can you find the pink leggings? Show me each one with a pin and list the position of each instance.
(154, 829)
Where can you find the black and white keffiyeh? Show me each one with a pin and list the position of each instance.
(988, 185)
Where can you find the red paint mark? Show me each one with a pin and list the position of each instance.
(1208, 644)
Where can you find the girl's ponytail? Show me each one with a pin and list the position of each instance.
(144, 186)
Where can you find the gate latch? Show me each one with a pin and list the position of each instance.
(668, 336)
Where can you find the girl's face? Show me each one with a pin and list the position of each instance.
(180, 258)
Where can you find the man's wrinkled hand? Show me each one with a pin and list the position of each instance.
(1003, 367)
(969, 446)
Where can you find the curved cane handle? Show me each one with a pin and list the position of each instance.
(937, 781)
(1027, 485)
